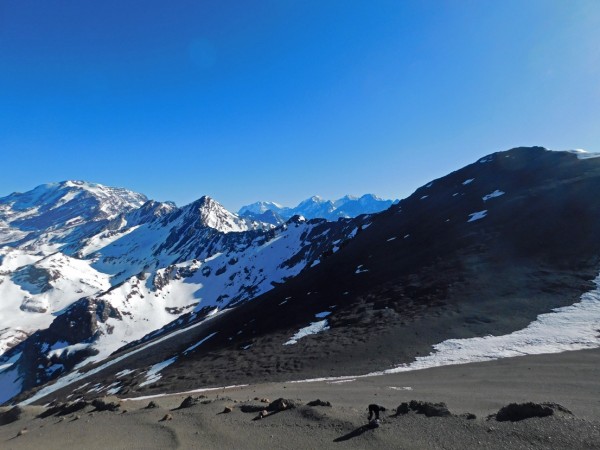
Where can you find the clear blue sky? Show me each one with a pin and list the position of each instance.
(280, 99)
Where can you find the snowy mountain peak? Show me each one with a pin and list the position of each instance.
(260, 208)
(213, 215)
(316, 207)
(66, 204)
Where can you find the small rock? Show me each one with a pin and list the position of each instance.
(227, 410)
(264, 413)
(281, 404)
(265, 400)
(319, 402)
(166, 417)
(188, 402)
(22, 432)
(151, 405)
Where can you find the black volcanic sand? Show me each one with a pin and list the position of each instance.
(570, 379)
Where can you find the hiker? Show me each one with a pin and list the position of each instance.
(374, 411)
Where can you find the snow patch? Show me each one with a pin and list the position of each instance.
(494, 194)
(200, 342)
(477, 215)
(153, 374)
(313, 328)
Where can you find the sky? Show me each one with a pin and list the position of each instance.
(281, 99)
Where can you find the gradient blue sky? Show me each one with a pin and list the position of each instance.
(280, 99)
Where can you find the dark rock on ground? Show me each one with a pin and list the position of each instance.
(152, 405)
(10, 416)
(188, 402)
(106, 404)
(521, 411)
(249, 408)
(62, 409)
(281, 404)
(72, 407)
(427, 408)
(319, 402)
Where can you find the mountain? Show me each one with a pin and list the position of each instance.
(506, 246)
(66, 204)
(72, 294)
(316, 208)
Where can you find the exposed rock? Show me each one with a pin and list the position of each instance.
(264, 413)
(281, 404)
(166, 417)
(188, 402)
(106, 403)
(22, 431)
(71, 407)
(402, 409)
(520, 411)
(427, 408)
(468, 416)
(265, 400)
(227, 410)
(10, 416)
(249, 408)
(152, 405)
(319, 402)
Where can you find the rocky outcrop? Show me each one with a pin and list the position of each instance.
(426, 408)
(515, 412)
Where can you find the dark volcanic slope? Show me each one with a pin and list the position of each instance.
(419, 274)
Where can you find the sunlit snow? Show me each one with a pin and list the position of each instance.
(313, 328)
(494, 194)
(477, 215)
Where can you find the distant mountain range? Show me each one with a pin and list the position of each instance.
(86, 269)
(316, 207)
(103, 291)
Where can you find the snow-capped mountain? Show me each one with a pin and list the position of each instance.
(74, 291)
(485, 250)
(66, 204)
(482, 251)
(316, 208)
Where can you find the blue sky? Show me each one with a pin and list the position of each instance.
(280, 100)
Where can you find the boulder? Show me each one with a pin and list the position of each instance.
(188, 402)
(515, 412)
(427, 408)
(281, 404)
